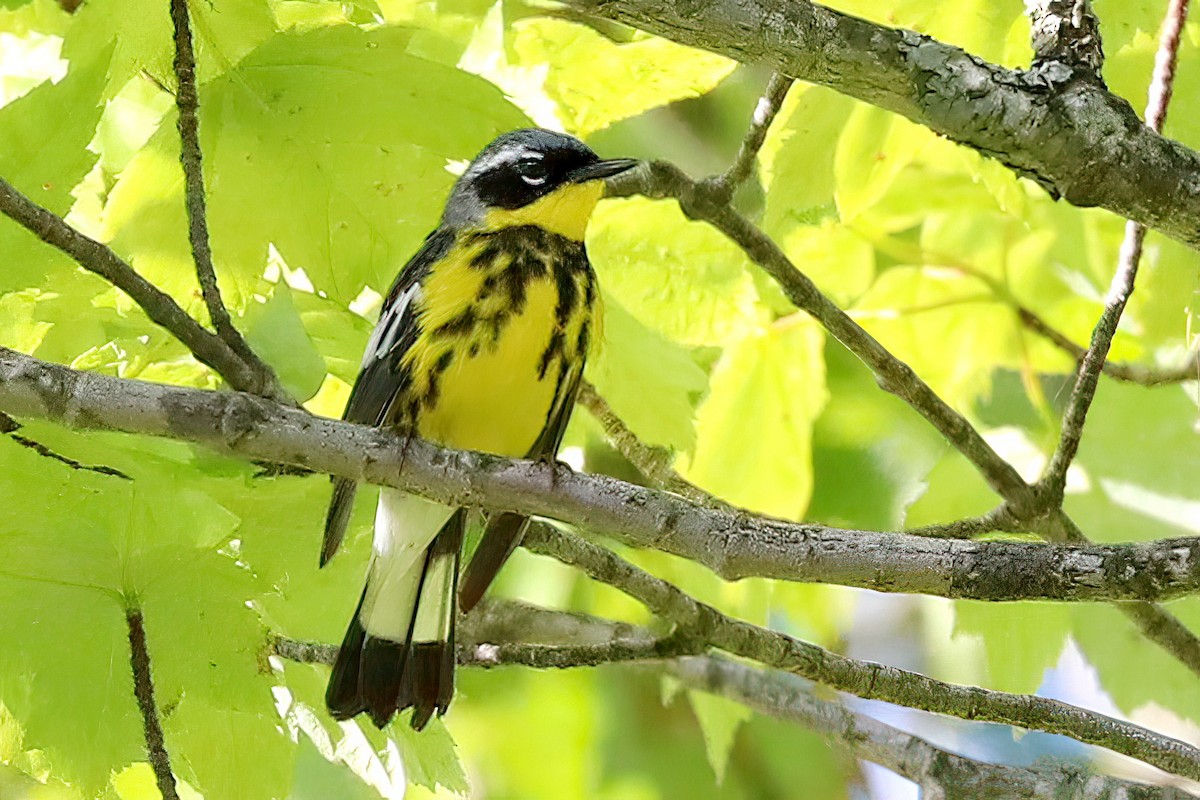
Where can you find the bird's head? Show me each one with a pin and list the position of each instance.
(532, 177)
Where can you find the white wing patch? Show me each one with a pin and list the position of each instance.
(387, 331)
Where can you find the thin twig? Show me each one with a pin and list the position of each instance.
(143, 689)
(187, 102)
(653, 462)
(726, 184)
(45, 452)
(863, 679)
(998, 519)
(537, 656)
(1053, 481)
(1189, 370)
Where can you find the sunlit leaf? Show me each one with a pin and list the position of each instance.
(651, 383)
(754, 430)
(686, 282)
(597, 81)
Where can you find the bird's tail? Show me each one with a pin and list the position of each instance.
(399, 648)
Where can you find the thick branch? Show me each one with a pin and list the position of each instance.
(1073, 137)
(143, 689)
(733, 543)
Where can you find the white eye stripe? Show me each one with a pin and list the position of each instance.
(506, 157)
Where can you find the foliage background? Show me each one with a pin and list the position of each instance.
(330, 133)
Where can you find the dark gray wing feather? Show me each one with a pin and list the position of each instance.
(381, 377)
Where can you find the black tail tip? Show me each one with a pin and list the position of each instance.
(381, 678)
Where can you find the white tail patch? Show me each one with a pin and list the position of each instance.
(405, 525)
(436, 608)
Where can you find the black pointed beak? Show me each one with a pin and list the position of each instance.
(601, 169)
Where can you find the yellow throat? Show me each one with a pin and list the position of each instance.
(564, 211)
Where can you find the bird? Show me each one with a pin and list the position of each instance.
(480, 345)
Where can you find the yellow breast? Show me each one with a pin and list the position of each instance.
(497, 337)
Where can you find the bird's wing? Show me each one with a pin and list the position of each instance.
(504, 530)
(381, 376)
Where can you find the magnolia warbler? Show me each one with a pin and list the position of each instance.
(480, 345)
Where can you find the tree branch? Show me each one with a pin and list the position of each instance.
(267, 382)
(160, 307)
(653, 462)
(999, 518)
(143, 689)
(769, 692)
(724, 185)
(938, 772)
(1073, 137)
(863, 679)
(731, 542)
(1023, 504)
(1189, 370)
(1066, 32)
(1052, 483)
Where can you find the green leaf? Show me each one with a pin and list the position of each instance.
(345, 197)
(1022, 640)
(276, 333)
(137, 782)
(1137, 675)
(797, 158)
(43, 141)
(719, 720)
(687, 282)
(430, 757)
(982, 28)
(338, 334)
(1139, 459)
(597, 81)
(872, 454)
(875, 145)
(19, 329)
(650, 382)
(230, 753)
(909, 307)
(141, 32)
(754, 430)
(96, 544)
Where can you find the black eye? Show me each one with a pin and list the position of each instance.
(533, 171)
